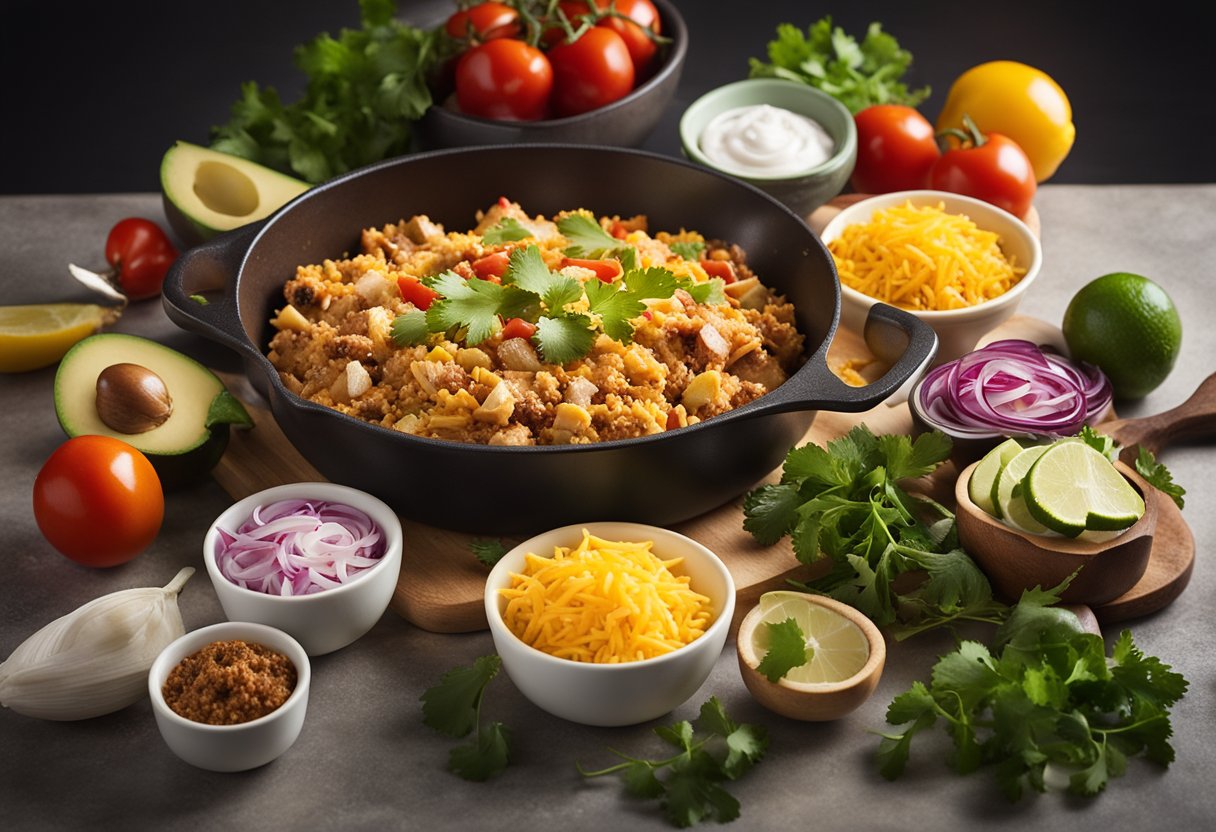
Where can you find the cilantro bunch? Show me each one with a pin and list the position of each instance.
(710, 751)
(1046, 695)
(365, 89)
(844, 503)
(475, 310)
(857, 75)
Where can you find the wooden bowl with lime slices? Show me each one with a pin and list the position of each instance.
(1015, 560)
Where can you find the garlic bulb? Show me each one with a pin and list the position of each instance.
(94, 660)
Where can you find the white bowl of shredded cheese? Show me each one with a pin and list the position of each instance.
(959, 264)
(609, 623)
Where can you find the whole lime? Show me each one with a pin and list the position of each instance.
(1128, 326)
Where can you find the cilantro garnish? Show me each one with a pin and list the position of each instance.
(506, 230)
(712, 750)
(787, 649)
(488, 552)
(857, 75)
(843, 502)
(1045, 694)
(587, 237)
(1100, 442)
(689, 250)
(1158, 476)
(564, 338)
(410, 329)
(528, 271)
(453, 708)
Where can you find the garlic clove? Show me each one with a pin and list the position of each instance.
(132, 399)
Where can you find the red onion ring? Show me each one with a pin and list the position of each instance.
(299, 547)
(1013, 387)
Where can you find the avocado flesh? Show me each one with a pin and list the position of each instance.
(183, 448)
(207, 192)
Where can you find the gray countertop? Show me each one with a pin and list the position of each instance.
(365, 761)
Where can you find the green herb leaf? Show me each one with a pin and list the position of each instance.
(1100, 442)
(710, 292)
(527, 271)
(771, 511)
(200, 300)
(506, 230)
(1158, 476)
(488, 552)
(487, 755)
(226, 409)
(451, 706)
(689, 250)
(615, 306)
(474, 305)
(563, 338)
(410, 329)
(587, 237)
(787, 649)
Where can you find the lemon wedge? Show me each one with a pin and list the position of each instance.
(38, 335)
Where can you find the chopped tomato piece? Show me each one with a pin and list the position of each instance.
(518, 328)
(412, 290)
(493, 266)
(619, 230)
(720, 268)
(605, 270)
(673, 420)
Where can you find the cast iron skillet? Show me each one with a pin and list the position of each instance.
(661, 479)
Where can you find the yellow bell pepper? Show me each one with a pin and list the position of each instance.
(1018, 101)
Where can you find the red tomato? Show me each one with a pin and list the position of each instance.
(605, 270)
(140, 254)
(632, 20)
(895, 149)
(485, 21)
(492, 266)
(98, 501)
(412, 290)
(995, 169)
(518, 328)
(720, 268)
(591, 72)
(504, 79)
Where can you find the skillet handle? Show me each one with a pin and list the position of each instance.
(208, 271)
(893, 335)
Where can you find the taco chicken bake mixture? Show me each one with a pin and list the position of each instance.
(534, 331)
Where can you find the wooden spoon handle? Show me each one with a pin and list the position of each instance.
(1195, 418)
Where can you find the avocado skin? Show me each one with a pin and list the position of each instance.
(179, 471)
(189, 232)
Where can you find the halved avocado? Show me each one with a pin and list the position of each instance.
(206, 192)
(184, 445)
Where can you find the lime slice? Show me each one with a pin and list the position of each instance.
(840, 647)
(39, 335)
(1073, 488)
(983, 478)
(1007, 494)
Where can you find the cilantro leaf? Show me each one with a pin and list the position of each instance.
(787, 649)
(487, 755)
(587, 237)
(469, 304)
(640, 780)
(563, 338)
(770, 511)
(527, 271)
(654, 283)
(692, 793)
(410, 329)
(488, 552)
(616, 306)
(905, 458)
(710, 292)
(1100, 442)
(689, 250)
(1158, 476)
(506, 230)
(451, 706)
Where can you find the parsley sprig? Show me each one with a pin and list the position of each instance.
(844, 503)
(1045, 695)
(476, 309)
(710, 751)
(453, 708)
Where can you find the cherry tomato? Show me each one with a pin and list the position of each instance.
(504, 79)
(98, 501)
(605, 270)
(993, 168)
(492, 266)
(484, 21)
(720, 268)
(637, 17)
(590, 72)
(140, 254)
(518, 328)
(412, 290)
(895, 149)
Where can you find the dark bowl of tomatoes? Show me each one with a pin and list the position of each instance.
(609, 86)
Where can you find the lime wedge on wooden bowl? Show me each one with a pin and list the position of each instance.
(1073, 488)
(982, 484)
(1007, 493)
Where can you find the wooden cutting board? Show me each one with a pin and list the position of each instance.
(441, 583)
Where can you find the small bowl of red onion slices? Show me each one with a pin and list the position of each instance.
(1010, 388)
(317, 560)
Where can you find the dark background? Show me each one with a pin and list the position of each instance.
(96, 92)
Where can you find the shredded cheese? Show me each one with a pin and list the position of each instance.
(923, 258)
(604, 602)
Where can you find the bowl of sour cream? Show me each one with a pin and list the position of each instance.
(795, 142)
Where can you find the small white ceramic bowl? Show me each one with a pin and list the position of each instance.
(957, 330)
(323, 621)
(614, 694)
(231, 747)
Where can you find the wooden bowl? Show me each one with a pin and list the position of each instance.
(818, 702)
(1015, 561)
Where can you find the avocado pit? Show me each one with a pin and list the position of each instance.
(132, 399)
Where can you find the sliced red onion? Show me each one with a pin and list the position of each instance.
(298, 547)
(1013, 387)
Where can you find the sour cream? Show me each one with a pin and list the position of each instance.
(762, 140)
